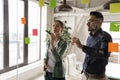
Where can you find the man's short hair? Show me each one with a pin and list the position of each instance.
(97, 14)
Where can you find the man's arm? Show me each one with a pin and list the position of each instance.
(93, 51)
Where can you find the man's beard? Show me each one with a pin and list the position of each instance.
(93, 28)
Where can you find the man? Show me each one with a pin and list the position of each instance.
(96, 49)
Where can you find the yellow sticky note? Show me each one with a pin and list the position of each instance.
(115, 7)
(23, 20)
(41, 3)
(112, 47)
(85, 1)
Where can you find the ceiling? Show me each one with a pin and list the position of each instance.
(77, 3)
(94, 5)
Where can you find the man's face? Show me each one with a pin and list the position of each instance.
(93, 23)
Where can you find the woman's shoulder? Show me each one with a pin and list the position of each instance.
(63, 40)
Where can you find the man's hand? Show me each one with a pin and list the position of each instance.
(77, 41)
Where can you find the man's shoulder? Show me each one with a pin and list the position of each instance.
(106, 36)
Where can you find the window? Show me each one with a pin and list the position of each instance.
(43, 33)
(37, 21)
(13, 51)
(115, 56)
(33, 24)
(1, 34)
(16, 29)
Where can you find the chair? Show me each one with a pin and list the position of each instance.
(72, 72)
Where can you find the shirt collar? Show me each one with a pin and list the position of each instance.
(96, 33)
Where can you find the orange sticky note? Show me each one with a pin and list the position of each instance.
(23, 20)
(35, 32)
(112, 47)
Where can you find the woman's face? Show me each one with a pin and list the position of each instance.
(57, 28)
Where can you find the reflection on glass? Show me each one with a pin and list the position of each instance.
(16, 11)
(33, 23)
(43, 33)
(1, 34)
(115, 56)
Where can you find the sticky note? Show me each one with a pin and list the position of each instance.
(52, 3)
(27, 40)
(115, 7)
(23, 20)
(85, 1)
(34, 32)
(41, 3)
(114, 26)
(112, 47)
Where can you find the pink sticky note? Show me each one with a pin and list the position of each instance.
(35, 32)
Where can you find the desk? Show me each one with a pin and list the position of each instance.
(113, 71)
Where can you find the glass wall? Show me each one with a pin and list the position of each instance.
(16, 32)
(1, 34)
(33, 31)
(115, 56)
(43, 32)
(15, 54)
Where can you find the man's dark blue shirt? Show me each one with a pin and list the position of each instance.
(97, 54)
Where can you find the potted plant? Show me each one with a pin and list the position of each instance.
(66, 35)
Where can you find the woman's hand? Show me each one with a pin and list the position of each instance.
(45, 66)
(52, 40)
(52, 37)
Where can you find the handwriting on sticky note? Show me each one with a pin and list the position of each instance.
(114, 26)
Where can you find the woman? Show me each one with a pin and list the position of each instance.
(56, 47)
